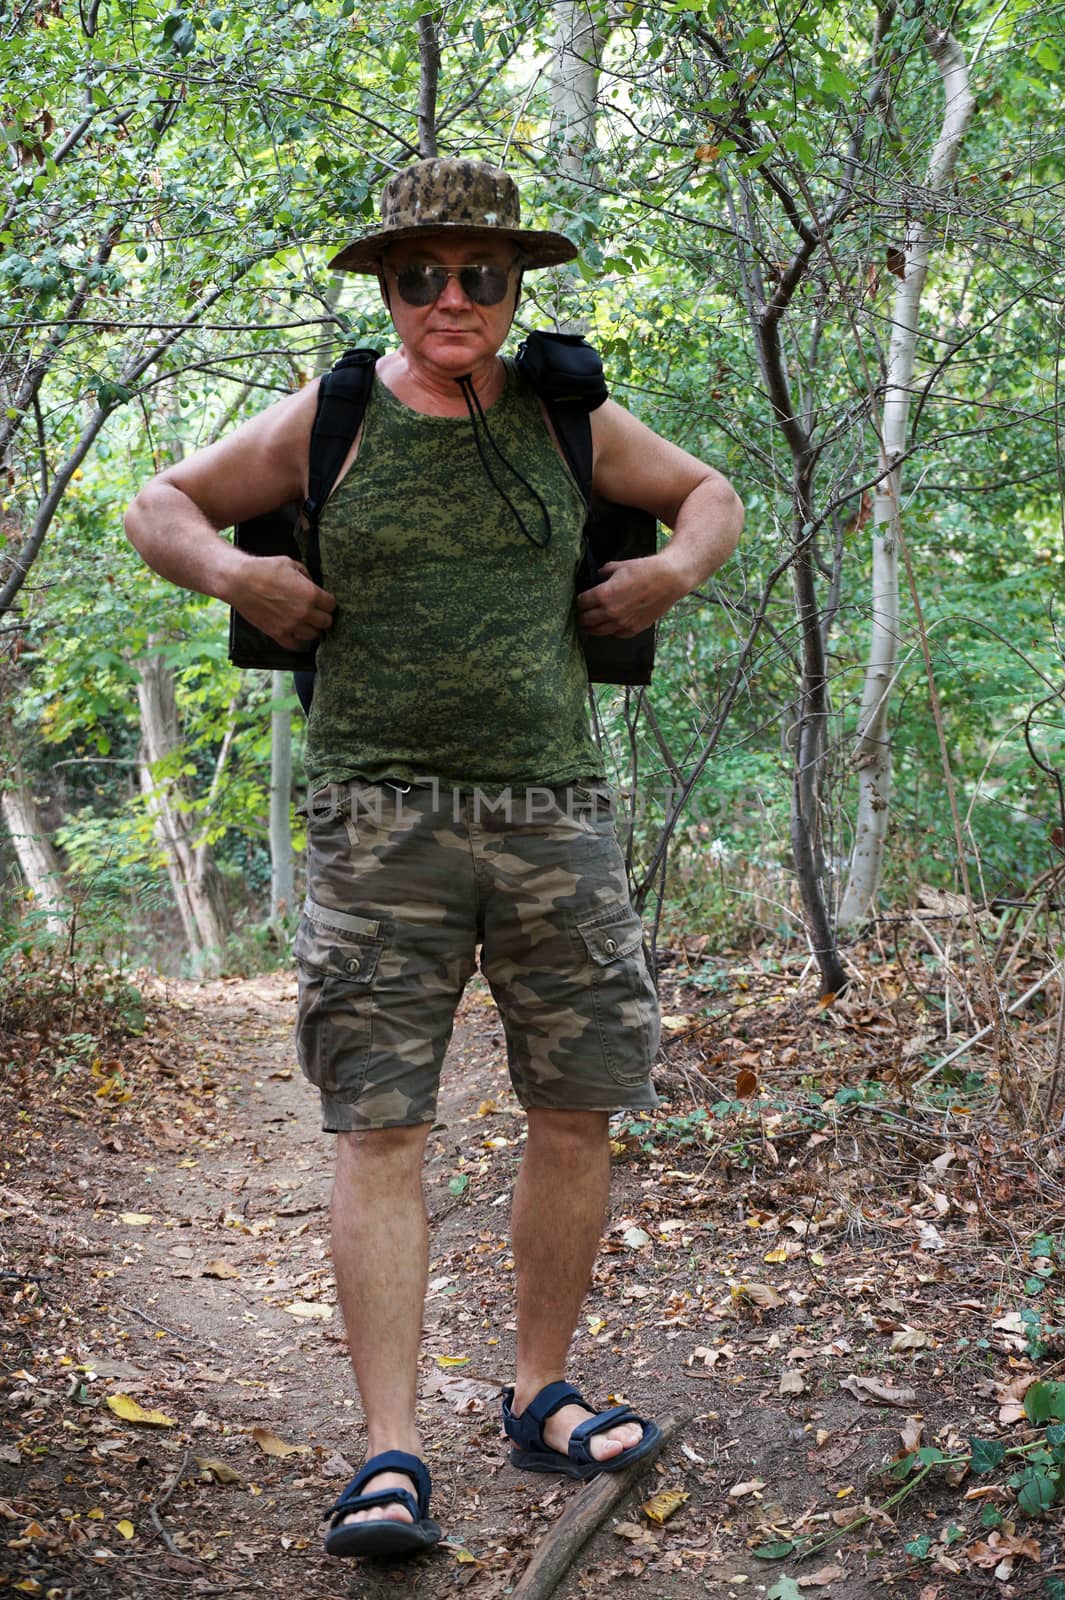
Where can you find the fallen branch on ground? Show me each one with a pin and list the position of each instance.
(583, 1516)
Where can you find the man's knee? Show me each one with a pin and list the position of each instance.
(568, 1129)
(382, 1147)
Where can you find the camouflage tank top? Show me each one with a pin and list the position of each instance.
(453, 652)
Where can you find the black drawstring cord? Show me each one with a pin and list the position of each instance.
(476, 411)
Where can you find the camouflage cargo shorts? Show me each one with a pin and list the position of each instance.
(404, 885)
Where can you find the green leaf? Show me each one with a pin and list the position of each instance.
(1037, 1495)
(1056, 1435)
(1054, 1588)
(460, 1183)
(775, 1552)
(920, 1546)
(800, 146)
(900, 1469)
(929, 1455)
(1044, 1401)
(785, 1589)
(478, 34)
(986, 1454)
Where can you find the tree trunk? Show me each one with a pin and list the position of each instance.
(37, 859)
(872, 753)
(282, 876)
(574, 90)
(575, 85)
(193, 876)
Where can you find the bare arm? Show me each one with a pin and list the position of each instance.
(175, 520)
(636, 467)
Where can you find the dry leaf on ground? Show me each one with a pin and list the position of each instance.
(271, 1445)
(869, 1389)
(220, 1269)
(217, 1471)
(662, 1505)
(124, 1406)
(309, 1310)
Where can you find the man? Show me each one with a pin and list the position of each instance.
(457, 796)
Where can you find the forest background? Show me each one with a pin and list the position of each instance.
(820, 247)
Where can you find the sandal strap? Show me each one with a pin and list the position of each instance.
(389, 1461)
(379, 1497)
(604, 1421)
(552, 1399)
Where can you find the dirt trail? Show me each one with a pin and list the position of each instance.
(183, 1252)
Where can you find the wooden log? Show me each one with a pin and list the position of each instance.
(584, 1515)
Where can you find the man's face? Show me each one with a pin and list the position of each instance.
(452, 334)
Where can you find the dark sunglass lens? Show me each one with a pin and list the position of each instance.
(420, 285)
(485, 286)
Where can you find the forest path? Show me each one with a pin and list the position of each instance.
(181, 1241)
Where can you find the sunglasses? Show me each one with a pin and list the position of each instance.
(423, 283)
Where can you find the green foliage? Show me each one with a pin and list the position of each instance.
(164, 269)
(986, 1455)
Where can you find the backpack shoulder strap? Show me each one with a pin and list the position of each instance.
(567, 375)
(343, 395)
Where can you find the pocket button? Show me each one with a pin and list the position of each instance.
(352, 965)
(610, 947)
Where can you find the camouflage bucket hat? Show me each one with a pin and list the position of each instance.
(453, 196)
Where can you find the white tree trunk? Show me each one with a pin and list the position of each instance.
(574, 88)
(872, 753)
(282, 877)
(37, 860)
(574, 84)
(193, 876)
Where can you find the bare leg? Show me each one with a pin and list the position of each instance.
(381, 1258)
(560, 1202)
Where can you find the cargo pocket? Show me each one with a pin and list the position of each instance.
(337, 955)
(626, 1006)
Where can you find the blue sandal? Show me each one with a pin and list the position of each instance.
(383, 1538)
(534, 1454)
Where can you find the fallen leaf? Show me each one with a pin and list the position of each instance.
(137, 1219)
(595, 1325)
(126, 1528)
(460, 1553)
(630, 1530)
(635, 1238)
(124, 1406)
(271, 1445)
(998, 1545)
(757, 1294)
(911, 1432)
(911, 1339)
(739, 1491)
(219, 1471)
(775, 1257)
(870, 1389)
(308, 1310)
(221, 1269)
(822, 1576)
(662, 1505)
(452, 1361)
(677, 1024)
(746, 1083)
(792, 1381)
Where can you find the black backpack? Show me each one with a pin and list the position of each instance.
(567, 375)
